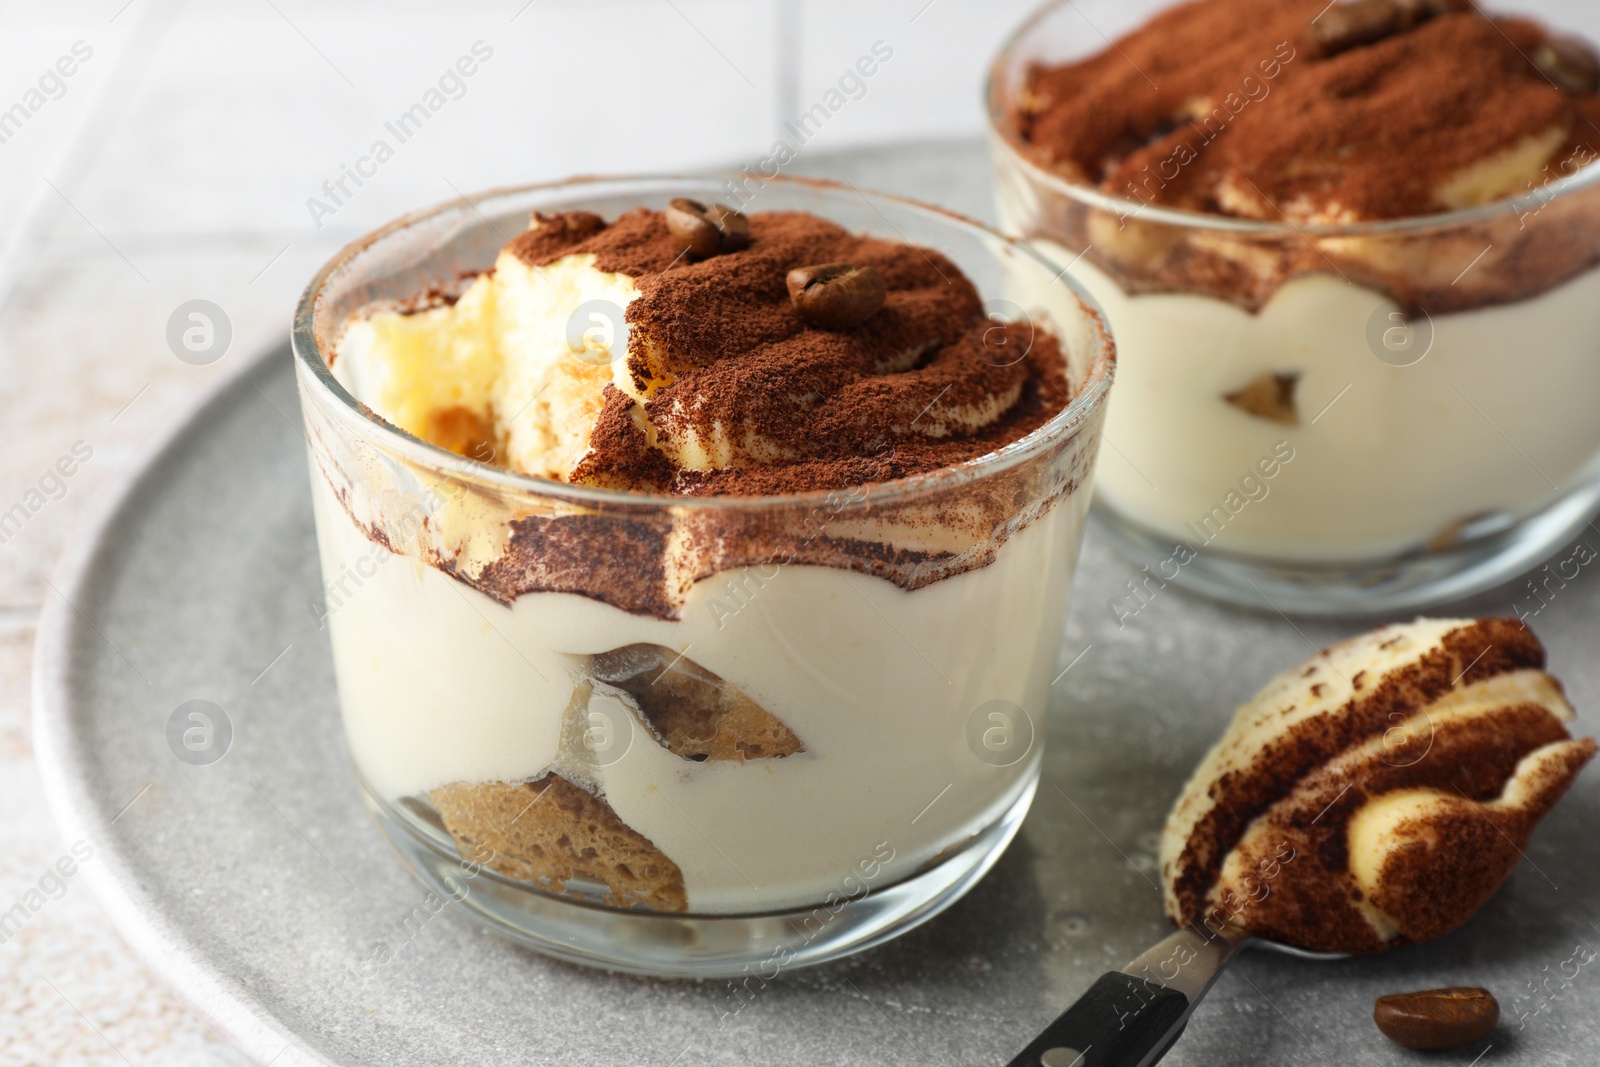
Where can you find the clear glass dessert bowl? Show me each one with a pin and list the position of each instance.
(696, 736)
(1325, 419)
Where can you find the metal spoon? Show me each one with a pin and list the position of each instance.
(1132, 1017)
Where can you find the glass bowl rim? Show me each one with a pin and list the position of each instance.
(1002, 136)
(1066, 423)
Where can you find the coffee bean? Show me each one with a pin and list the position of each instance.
(734, 225)
(1437, 1018)
(837, 296)
(1570, 62)
(1350, 25)
(704, 231)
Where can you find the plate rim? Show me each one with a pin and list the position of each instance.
(181, 965)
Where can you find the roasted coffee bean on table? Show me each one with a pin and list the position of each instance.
(1437, 1018)
(705, 231)
(837, 296)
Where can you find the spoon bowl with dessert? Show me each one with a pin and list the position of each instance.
(1375, 796)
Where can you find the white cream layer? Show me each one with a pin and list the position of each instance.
(1497, 417)
(439, 684)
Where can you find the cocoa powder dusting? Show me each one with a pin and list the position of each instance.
(1288, 815)
(927, 382)
(766, 404)
(1227, 107)
(1471, 654)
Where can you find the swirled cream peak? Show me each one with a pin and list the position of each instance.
(1379, 793)
(599, 353)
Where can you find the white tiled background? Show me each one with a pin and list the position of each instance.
(176, 163)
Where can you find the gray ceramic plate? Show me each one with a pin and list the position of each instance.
(259, 888)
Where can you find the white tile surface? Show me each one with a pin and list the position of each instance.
(245, 110)
(927, 88)
(43, 111)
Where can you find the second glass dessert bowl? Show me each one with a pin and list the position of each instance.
(1326, 418)
(693, 735)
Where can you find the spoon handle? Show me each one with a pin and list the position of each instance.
(1131, 1017)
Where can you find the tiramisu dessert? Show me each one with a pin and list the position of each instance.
(798, 509)
(1378, 794)
(1349, 250)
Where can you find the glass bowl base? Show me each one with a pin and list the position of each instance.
(1410, 582)
(755, 947)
